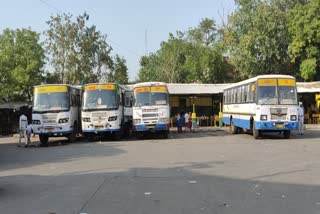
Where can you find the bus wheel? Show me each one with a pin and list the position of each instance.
(165, 134)
(73, 136)
(286, 134)
(44, 139)
(233, 128)
(116, 136)
(255, 132)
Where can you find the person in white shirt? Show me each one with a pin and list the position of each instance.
(29, 132)
(186, 121)
(300, 119)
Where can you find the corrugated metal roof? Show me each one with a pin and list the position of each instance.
(193, 88)
(308, 87)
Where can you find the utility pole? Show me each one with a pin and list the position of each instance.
(146, 42)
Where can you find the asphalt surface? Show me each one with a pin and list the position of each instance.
(206, 172)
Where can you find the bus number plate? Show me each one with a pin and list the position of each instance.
(99, 127)
(279, 126)
(150, 126)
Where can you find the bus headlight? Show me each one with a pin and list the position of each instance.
(136, 121)
(113, 118)
(163, 120)
(263, 117)
(63, 120)
(86, 119)
(293, 117)
(36, 122)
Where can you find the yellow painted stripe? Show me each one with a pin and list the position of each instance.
(142, 89)
(100, 86)
(286, 82)
(159, 89)
(50, 89)
(267, 82)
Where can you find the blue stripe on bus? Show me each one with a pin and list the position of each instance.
(157, 127)
(261, 125)
(268, 125)
(100, 130)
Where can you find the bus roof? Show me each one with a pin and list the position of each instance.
(68, 85)
(149, 84)
(259, 77)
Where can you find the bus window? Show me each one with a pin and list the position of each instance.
(267, 95)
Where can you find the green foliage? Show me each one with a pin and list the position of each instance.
(78, 53)
(308, 68)
(304, 27)
(257, 38)
(191, 56)
(21, 64)
(119, 71)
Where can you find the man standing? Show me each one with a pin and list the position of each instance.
(29, 132)
(300, 118)
(186, 122)
(23, 123)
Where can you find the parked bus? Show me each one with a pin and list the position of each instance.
(151, 110)
(56, 111)
(262, 103)
(103, 110)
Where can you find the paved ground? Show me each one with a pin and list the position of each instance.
(206, 172)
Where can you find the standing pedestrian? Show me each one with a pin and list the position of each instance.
(29, 131)
(23, 123)
(300, 119)
(186, 122)
(177, 119)
(181, 122)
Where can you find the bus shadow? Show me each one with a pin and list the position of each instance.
(308, 134)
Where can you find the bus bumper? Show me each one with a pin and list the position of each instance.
(151, 127)
(100, 130)
(276, 126)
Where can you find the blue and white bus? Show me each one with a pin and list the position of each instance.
(151, 109)
(262, 103)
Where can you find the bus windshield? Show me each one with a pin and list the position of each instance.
(100, 99)
(267, 95)
(277, 92)
(287, 95)
(51, 101)
(150, 98)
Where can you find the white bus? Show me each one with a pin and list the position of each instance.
(103, 110)
(262, 103)
(151, 110)
(56, 111)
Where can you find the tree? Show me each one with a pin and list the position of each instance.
(119, 72)
(257, 37)
(21, 64)
(78, 53)
(192, 56)
(304, 28)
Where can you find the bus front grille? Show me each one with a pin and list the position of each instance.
(278, 113)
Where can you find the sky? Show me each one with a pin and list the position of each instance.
(133, 28)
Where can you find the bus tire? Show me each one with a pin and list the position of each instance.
(165, 134)
(256, 133)
(116, 136)
(44, 139)
(73, 136)
(286, 134)
(233, 128)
